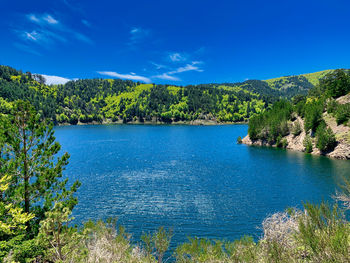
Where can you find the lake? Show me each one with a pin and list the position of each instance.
(193, 179)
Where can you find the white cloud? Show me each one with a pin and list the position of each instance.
(165, 76)
(54, 79)
(177, 57)
(31, 36)
(131, 76)
(43, 19)
(197, 62)
(41, 37)
(49, 19)
(135, 30)
(48, 31)
(33, 18)
(158, 66)
(188, 67)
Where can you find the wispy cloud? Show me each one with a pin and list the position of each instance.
(158, 66)
(194, 66)
(49, 79)
(166, 76)
(33, 18)
(42, 19)
(34, 36)
(177, 57)
(49, 19)
(42, 37)
(86, 23)
(83, 38)
(188, 67)
(137, 34)
(46, 30)
(131, 76)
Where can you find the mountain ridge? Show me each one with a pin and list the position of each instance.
(114, 100)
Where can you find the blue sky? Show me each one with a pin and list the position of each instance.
(176, 42)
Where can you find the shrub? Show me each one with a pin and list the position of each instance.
(332, 106)
(323, 234)
(325, 139)
(239, 140)
(307, 144)
(158, 243)
(296, 130)
(73, 119)
(284, 143)
(342, 113)
(313, 115)
(300, 108)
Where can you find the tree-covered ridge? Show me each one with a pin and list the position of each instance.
(112, 100)
(115, 100)
(97, 100)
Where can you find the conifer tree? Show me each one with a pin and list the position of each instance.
(36, 175)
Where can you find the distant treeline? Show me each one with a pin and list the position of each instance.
(98, 100)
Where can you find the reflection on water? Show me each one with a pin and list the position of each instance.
(196, 180)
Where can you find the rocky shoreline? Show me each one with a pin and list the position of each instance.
(342, 134)
(197, 122)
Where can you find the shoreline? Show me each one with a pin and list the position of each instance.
(338, 153)
(189, 123)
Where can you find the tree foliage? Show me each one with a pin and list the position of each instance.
(32, 175)
(271, 124)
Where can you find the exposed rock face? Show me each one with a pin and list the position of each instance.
(342, 133)
(344, 99)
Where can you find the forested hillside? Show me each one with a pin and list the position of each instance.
(114, 100)
(317, 123)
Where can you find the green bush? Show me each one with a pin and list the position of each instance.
(307, 144)
(281, 142)
(73, 119)
(313, 115)
(325, 139)
(332, 106)
(284, 143)
(342, 113)
(296, 130)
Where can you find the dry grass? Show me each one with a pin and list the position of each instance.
(281, 227)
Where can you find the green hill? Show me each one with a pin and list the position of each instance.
(115, 100)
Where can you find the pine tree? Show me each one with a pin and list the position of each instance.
(36, 182)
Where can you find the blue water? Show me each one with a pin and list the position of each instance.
(193, 179)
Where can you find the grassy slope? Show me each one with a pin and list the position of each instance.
(313, 78)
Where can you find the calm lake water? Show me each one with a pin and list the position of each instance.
(194, 179)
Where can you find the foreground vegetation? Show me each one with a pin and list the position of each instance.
(280, 120)
(36, 206)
